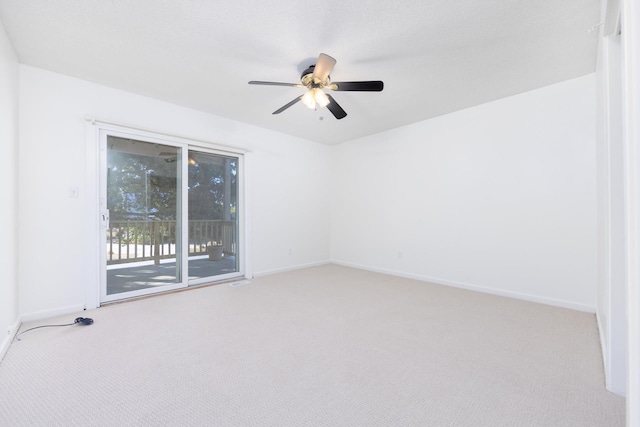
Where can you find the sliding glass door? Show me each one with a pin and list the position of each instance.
(213, 216)
(170, 216)
(143, 234)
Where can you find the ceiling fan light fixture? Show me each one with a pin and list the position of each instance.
(309, 99)
(321, 98)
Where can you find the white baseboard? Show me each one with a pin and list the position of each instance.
(290, 268)
(8, 339)
(477, 288)
(45, 314)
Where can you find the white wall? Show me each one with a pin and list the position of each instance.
(9, 315)
(58, 257)
(500, 198)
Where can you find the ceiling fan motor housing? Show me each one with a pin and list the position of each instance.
(306, 78)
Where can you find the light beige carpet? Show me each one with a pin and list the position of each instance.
(325, 346)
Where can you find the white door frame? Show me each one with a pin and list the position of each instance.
(631, 53)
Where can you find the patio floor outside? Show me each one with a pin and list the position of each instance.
(144, 275)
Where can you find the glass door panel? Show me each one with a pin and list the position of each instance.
(143, 235)
(213, 217)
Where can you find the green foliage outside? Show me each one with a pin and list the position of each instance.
(144, 188)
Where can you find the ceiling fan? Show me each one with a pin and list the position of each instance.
(171, 157)
(316, 79)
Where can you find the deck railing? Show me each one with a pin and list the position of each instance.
(129, 241)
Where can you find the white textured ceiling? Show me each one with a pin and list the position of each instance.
(434, 56)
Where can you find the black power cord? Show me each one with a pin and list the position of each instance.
(86, 321)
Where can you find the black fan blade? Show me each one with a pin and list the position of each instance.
(284, 107)
(323, 68)
(254, 82)
(369, 86)
(335, 108)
